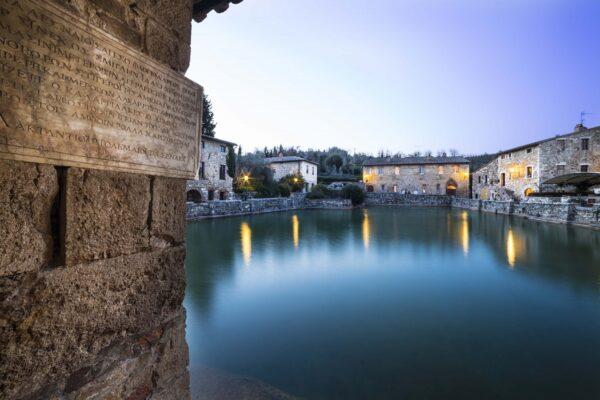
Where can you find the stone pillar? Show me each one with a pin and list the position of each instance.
(92, 262)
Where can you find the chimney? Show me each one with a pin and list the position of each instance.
(580, 128)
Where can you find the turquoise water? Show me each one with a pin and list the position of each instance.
(397, 303)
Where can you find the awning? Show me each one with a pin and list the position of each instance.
(581, 179)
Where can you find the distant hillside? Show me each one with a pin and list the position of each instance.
(479, 161)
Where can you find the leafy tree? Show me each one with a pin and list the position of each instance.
(284, 190)
(230, 161)
(208, 118)
(335, 161)
(239, 151)
(295, 182)
(319, 191)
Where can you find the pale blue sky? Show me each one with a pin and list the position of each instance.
(402, 75)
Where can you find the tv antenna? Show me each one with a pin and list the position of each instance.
(582, 116)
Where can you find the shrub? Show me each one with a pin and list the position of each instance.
(318, 192)
(294, 181)
(355, 193)
(284, 190)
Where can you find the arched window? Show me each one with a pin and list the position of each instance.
(451, 187)
(529, 192)
(194, 196)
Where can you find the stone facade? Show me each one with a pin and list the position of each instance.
(213, 182)
(523, 170)
(92, 263)
(283, 166)
(418, 175)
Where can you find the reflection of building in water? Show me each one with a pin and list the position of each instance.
(366, 229)
(511, 252)
(464, 231)
(246, 240)
(296, 230)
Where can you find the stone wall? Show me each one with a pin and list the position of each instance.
(521, 171)
(309, 171)
(92, 262)
(485, 181)
(380, 199)
(259, 206)
(431, 179)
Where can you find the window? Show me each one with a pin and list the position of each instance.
(476, 196)
(509, 155)
(529, 150)
(438, 188)
(397, 170)
(561, 143)
(383, 188)
(529, 172)
(503, 179)
(584, 167)
(421, 169)
(395, 188)
(202, 170)
(222, 195)
(503, 156)
(423, 188)
(211, 195)
(486, 179)
(560, 169)
(307, 169)
(585, 143)
(456, 169)
(222, 171)
(313, 170)
(223, 149)
(380, 171)
(440, 170)
(479, 179)
(203, 144)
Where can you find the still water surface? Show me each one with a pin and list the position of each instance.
(397, 303)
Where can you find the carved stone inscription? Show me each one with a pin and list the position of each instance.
(70, 94)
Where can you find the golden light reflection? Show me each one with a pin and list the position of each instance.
(296, 230)
(511, 252)
(464, 231)
(246, 241)
(366, 230)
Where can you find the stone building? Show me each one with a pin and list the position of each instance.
(418, 175)
(212, 182)
(92, 251)
(520, 171)
(287, 165)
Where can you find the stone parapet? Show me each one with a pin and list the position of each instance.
(377, 199)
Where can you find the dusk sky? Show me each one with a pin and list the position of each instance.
(400, 75)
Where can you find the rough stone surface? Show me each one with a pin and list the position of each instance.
(382, 198)
(213, 156)
(107, 214)
(260, 206)
(168, 209)
(27, 194)
(66, 327)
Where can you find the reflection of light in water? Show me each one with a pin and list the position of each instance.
(295, 230)
(366, 229)
(464, 232)
(511, 253)
(246, 239)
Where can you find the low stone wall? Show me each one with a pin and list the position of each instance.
(227, 208)
(426, 200)
(558, 210)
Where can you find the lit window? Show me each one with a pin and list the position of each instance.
(529, 172)
(397, 171)
(585, 144)
(440, 170)
(584, 167)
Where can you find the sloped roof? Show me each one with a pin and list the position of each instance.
(284, 159)
(217, 140)
(416, 161)
(203, 7)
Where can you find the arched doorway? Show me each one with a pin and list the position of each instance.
(451, 187)
(528, 192)
(370, 188)
(194, 196)
(222, 195)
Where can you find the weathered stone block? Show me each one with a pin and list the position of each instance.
(107, 214)
(66, 327)
(168, 209)
(164, 46)
(27, 194)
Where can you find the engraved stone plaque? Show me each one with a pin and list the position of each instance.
(71, 94)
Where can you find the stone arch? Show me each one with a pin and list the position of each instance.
(194, 196)
(223, 195)
(528, 192)
(370, 189)
(451, 187)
